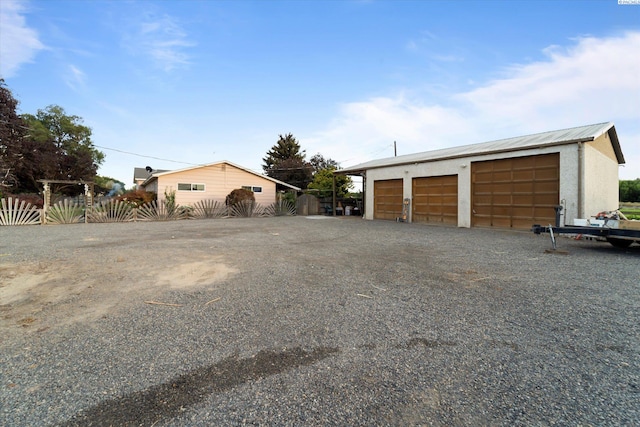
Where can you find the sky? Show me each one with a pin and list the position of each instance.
(171, 84)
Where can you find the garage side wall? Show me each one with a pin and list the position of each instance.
(601, 177)
(570, 198)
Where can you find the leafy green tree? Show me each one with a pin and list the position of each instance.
(12, 134)
(323, 181)
(629, 190)
(59, 147)
(285, 161)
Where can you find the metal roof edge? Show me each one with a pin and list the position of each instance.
(604, 127)
(460, 156)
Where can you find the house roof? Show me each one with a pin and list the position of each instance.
(156, 174)
(141, 174)
(544, 139)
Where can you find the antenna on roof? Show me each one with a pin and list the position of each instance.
(395, 151)
(149, 169)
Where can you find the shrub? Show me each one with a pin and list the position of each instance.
(137, 198)
(239, 195)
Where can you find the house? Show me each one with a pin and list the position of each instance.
(509, 183)
(213, 181)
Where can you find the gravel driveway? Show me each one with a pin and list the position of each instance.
(314, 321)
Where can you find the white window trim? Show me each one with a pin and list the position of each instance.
(253, 188)
(204, 186)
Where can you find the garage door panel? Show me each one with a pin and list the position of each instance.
(522, 187)
(435, 199)
(501, 221)
(550, 175)
(522, 212)
(501, 199)
(517, 192)
(525, 175)
(546, 187)
(549, 199)
(500, 210)
(542, 214)
(501, 187)
(387, 195)
(502, 176)
(450, 200)
(483, 221)
(484, 167)
(520, 223)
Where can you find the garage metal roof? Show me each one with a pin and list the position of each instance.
(544, 139)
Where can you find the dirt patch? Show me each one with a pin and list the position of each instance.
(193, 274)
(40, 295)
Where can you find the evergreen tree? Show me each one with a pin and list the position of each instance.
(285, 161)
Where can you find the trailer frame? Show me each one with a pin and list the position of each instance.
(618, 237)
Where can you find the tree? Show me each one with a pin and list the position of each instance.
(319, 163)
(59, 147)
(12, 134)
(285, 162)
(323, 169)
(629, 190)
(323, 181)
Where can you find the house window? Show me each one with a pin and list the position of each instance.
(190, 187)
(252, 188)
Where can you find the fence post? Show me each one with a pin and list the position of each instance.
(46, 195)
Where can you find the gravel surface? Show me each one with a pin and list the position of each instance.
(314, 321)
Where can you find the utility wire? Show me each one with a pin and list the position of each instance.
(114, 149)
(148, 157)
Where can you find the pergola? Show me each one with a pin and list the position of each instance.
(46, 193)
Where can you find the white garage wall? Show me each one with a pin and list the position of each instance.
(601, 179)
(462, 167)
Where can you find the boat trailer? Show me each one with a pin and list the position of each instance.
(609, 226)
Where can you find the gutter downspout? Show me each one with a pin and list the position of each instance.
(580, 180)
(364, 194)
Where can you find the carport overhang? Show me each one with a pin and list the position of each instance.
(349, 172)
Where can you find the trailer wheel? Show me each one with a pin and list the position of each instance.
(619, 243)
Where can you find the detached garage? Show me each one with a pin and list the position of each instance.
(509, 183)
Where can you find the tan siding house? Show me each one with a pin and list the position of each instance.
(212, 182)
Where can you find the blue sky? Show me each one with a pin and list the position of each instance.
(198, 81)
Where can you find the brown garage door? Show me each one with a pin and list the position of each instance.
(435, 199)
(387, 199)
(515, 193)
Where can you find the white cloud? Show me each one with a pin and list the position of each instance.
(367, 130)
(594, 80)
(163, 40)
(75, 78)
(19, 44)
